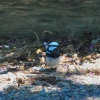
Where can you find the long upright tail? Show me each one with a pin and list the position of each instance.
(45, 43)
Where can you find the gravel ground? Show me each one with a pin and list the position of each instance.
(74, 87)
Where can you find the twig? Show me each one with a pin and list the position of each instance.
(45, 32)
(37, 37)
(79, 45)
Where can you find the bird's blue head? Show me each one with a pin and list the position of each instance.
(53, 50)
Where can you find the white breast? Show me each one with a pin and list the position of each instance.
(52, 62)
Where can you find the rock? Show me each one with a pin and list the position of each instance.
(6, 46)
(62, 68)
(36, 69)
(90, 98)
(72, 69)
(21, 78)
(52, 89)
(3, 70)
(8, 88)
(36, 89)
(12, 77)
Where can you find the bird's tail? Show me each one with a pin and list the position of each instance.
(45, 43)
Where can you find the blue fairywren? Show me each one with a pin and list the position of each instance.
(52, 58)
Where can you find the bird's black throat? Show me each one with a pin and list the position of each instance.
(53, 55)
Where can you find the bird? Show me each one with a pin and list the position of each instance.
(52, 57)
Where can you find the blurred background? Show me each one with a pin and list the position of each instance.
(22, 18)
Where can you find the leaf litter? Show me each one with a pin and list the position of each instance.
(80, 64)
